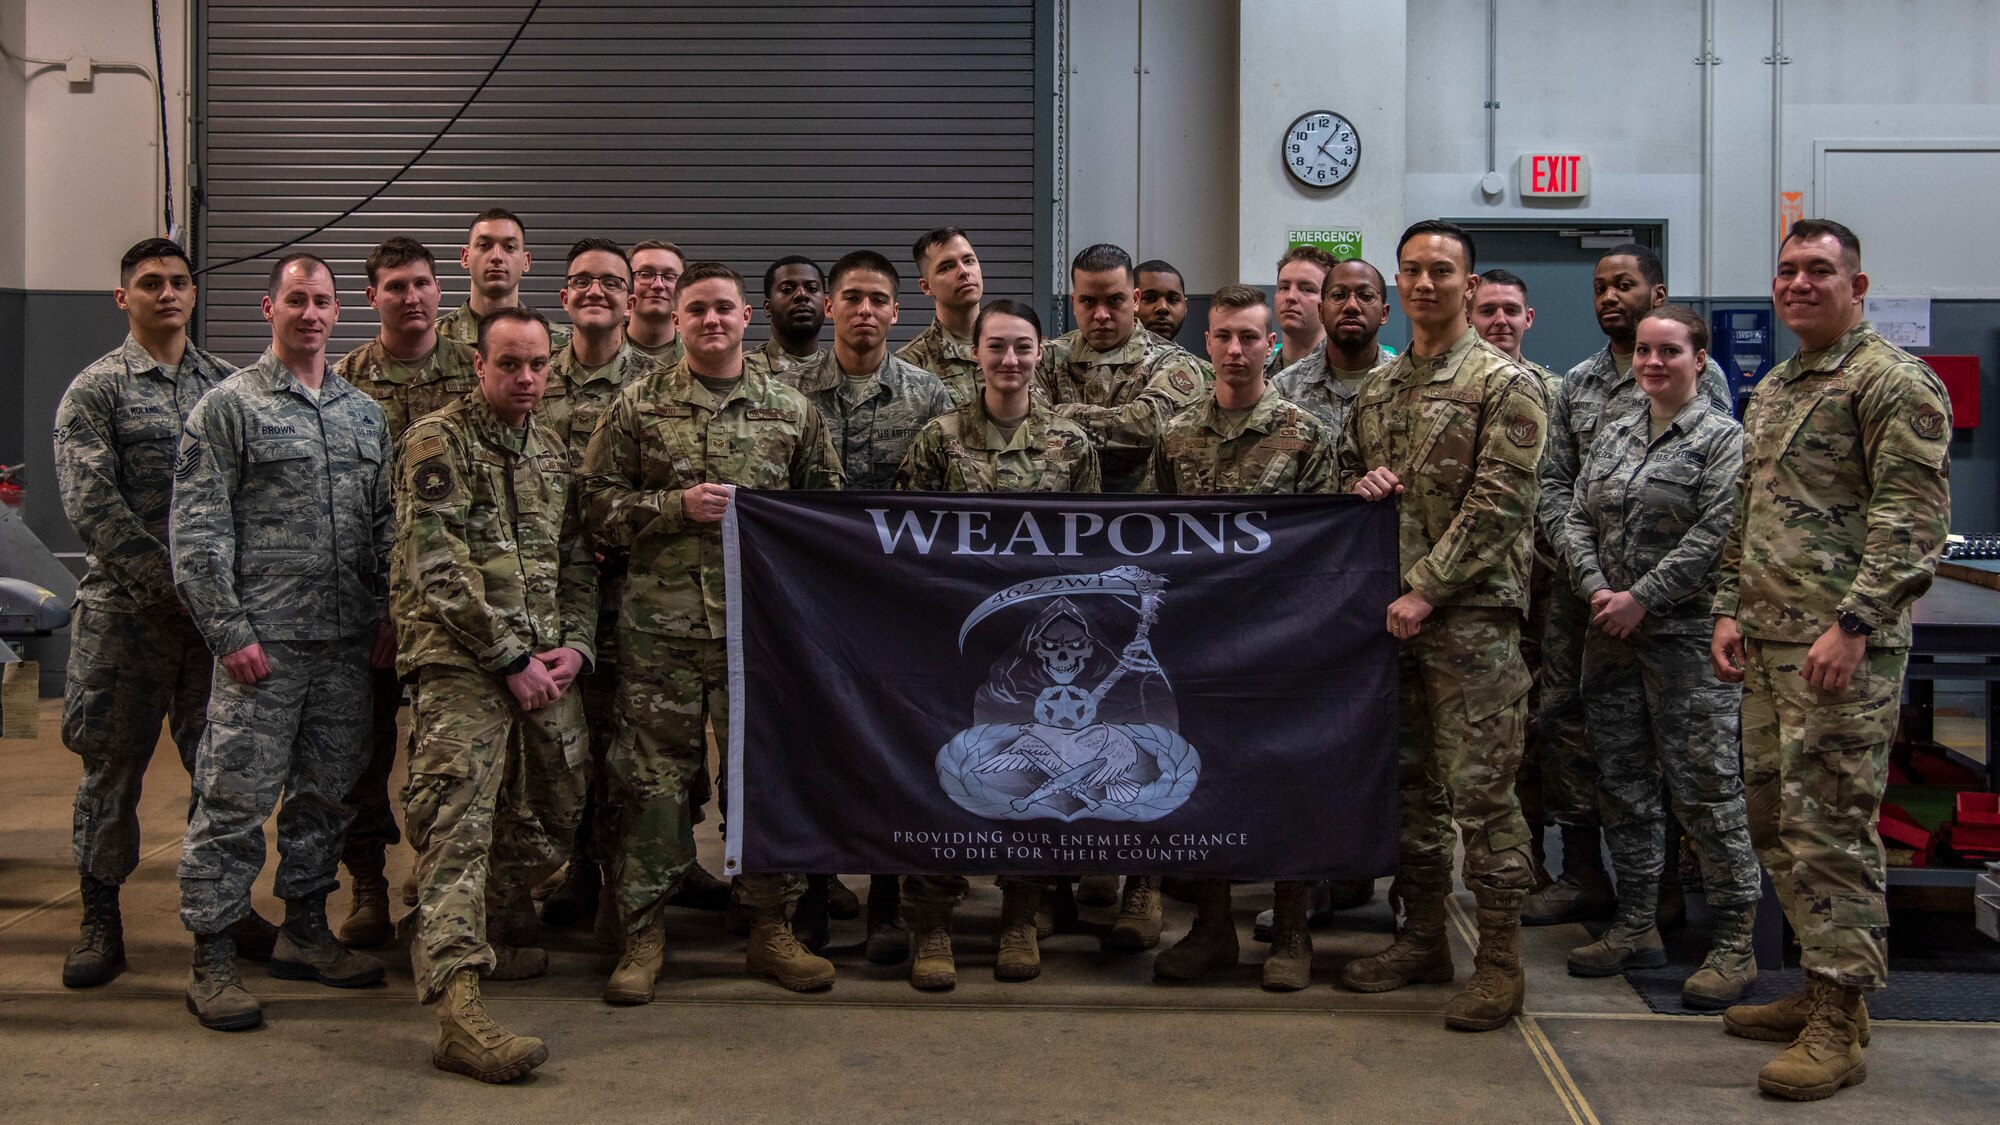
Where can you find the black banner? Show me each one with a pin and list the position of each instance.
(1061, 684)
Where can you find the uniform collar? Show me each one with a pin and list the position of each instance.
(826, 375)
(138, 360)
(1834, 355)
(389, 369)
(566, 365)
(1132, 350)
(780, 358)
(985, 434)
(1261, 417)
(680, 385)
(491, 430)
(948, 346)
(331, 385)
(1443, 367)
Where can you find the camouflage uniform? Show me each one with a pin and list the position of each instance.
(775, 360)
(1462, 432)
(963, 451)
(134, 655)
(280, 537)
(1650, 517)
(666, 355)
(1319, 388)
(1843, 507)
(1121, 397)
(492, 561)
(871, 421)
(1275, 447)
(461, 326)
(663, 435)
(575, 401)
(1543, 571)
(951, 360)
(405, 392)
(1594, 392)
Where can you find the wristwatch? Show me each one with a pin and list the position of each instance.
(1853, 626)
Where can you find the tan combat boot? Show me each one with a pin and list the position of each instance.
(1731, 964)
(215, 994)
(1289, 967)
(1139, 914)
(1057, 910)
(1620, 948)
(776, 954)
(1020, 945)
(645, 951)
(307, 950)
(1210, 943)
(1583, 892)
(1494, 994)
(1782, 1019)
(470, 1043)
(933, 969)
(1827, 1055)
(367, 924)
(1421, 954)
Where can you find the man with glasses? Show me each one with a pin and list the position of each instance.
(656, 269)
(1352, 308)
(494, 257)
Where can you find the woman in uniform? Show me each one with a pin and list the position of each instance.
(1001, 441)
(1653, 504)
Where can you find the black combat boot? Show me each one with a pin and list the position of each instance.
(99, 952)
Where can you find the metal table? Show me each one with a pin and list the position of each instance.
(1960, 620)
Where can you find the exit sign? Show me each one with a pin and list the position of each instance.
(1554, 175)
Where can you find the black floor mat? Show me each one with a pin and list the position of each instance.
(1940, 968)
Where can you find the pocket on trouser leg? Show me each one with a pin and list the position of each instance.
(1839, 778)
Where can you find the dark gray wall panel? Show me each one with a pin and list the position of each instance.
(742, 131)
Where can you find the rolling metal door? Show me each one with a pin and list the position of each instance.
(742, 131)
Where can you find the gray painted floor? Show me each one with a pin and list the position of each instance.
(1094, 1039)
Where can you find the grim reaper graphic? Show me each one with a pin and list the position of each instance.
(1071, 722)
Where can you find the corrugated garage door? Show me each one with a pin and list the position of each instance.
(742, 131)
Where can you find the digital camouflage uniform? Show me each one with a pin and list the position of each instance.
(775, 360)
(663, 435)
(1463, 433)
(1275, 365)
(950, 359)
(461, 326)
(1842, 507)
(135, 657)
(1649, 518)
(280, 536)
(871, 421)
(405, 392)
(492, 561)
(1121, 397)
(1319, 388)
(963, 451)
(1592, 393)
(575, 401)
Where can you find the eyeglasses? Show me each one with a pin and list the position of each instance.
(647, 277)
(1340, 295)
(581, 282)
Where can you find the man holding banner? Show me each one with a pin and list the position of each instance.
(657, 477)
(1244, 438)
(1456, 429)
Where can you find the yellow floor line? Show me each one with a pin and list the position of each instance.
(1577, 1106)
(75, 891)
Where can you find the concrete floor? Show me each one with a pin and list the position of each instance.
(1092, 1040)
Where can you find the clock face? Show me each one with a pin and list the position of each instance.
(1321, 149)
